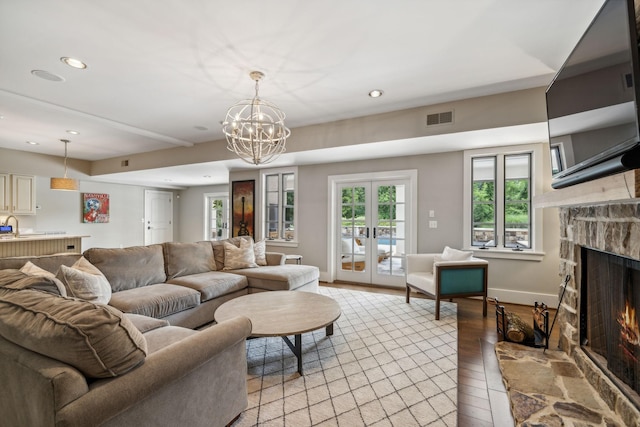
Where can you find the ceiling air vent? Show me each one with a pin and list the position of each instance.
(446, 117)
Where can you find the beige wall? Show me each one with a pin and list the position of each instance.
(62, 210)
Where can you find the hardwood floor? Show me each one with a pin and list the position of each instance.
(482, 397)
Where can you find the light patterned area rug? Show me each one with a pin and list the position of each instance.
(388, 363)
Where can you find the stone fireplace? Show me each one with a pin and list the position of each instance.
(586, 231)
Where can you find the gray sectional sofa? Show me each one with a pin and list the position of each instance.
(146, 357)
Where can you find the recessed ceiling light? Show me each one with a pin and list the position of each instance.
(376, 93)
(73, 132)
(47, 75)
(73, 62)
(32, 143)
(201, 127)
(206, 176)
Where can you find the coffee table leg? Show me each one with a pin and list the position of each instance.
(296, 349)
(330, 329)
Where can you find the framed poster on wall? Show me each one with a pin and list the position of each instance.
(242, 213)
(95, 207)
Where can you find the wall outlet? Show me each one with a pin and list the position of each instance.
(433, 224)
(432, 213)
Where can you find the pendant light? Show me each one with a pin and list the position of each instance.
(66, 184)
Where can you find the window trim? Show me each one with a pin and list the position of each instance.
(263, 198)
(534, 253)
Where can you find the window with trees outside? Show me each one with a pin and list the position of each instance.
(280, 205)
(501, 201)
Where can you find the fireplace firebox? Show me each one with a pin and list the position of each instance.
(609, 329)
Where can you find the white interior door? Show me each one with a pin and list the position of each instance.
(372, 232)
(158, 217)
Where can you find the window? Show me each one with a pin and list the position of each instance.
(557, 165)
(280, 204)
(499, 187)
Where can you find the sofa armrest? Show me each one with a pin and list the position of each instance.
(420, 262)
(169, 377)
(275, 258)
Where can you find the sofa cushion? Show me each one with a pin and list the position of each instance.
(159, 300)
(145, 323)
(128, 268)
(94, 338)
(181, 259)
(280, 277)
(239, 257)
(83, 280)
(212, 284)
(16, 279)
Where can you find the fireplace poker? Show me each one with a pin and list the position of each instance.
(564, 289)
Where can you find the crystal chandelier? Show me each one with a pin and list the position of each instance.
(68, 184)
(255, 128)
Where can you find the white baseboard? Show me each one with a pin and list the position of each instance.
(503, 295)
(524, 298)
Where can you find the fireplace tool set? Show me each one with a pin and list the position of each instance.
(510, 327)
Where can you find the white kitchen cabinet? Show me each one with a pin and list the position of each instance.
(17, 194)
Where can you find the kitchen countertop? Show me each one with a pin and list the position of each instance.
(29, 237)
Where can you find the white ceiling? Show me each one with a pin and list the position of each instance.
(157, 70)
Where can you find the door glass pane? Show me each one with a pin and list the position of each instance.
(390, 249)
(217, 225)
(354, 232)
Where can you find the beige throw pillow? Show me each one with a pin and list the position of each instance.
(83, 280)
(260, 251)
(33, 270)
(242, 257)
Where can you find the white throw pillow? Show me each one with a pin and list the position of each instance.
(242, 257)
(260, 251)
(85, 281)
(450, 254)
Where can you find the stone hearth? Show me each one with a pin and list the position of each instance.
(546, 388)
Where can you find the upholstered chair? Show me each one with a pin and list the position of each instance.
(447, 278)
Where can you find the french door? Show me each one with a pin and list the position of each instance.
(372, 231)
(216, 216)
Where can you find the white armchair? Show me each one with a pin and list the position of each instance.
(428, 274)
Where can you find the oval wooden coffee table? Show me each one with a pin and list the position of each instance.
(283, 313)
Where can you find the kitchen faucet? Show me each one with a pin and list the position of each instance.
(17, 230)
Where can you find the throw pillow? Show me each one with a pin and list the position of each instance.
(16, 279)
(450, 254)
(96, 339)
(260, 251)
(33, 270)
(83, 280)
(242, 257)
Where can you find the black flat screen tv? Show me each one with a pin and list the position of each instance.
(592, 102)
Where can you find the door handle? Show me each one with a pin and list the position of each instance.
(367, 233)
(374, 232)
